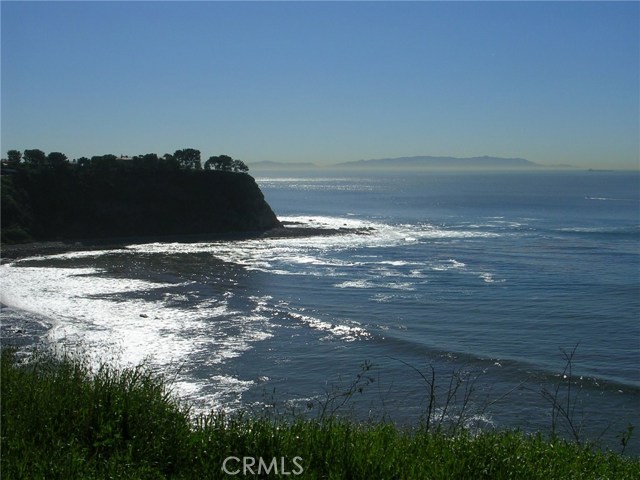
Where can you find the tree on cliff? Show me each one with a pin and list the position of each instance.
(57, 159)
(35, 157)
(240, 166)
(188, 158)
(225, 163)
(104, 164)
(83, 162)
(14, 157)
(221, 162)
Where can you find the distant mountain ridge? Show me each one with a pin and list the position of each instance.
(416, 162)
(441, 162)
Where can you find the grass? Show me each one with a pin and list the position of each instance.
(61, 419)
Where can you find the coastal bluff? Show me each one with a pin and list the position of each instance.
(73, 204)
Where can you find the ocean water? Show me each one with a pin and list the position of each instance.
(490, 277)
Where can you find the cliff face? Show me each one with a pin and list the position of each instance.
(76, 204)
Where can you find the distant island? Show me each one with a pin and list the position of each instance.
(442, 162)
(48, 197)
(423, 162)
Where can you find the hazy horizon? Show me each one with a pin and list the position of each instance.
(421, 163)
(325, 82)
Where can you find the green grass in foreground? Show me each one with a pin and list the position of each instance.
(62, 420)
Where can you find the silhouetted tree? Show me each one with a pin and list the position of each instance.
(83, 162)
(188, 158)
(223, 163)
(56, 159)
(35, 157)
(240, 166)
(13, 158)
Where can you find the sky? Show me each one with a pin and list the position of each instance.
(324, 82)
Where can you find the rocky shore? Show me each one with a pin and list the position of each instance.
(287, 230)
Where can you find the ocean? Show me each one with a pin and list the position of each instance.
(518, 289)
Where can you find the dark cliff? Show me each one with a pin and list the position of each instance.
(72, 203)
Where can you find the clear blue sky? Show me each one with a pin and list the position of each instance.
(324, 82)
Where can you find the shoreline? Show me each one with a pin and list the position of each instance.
(9, 253)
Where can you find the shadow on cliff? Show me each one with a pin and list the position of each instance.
(76, 203)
